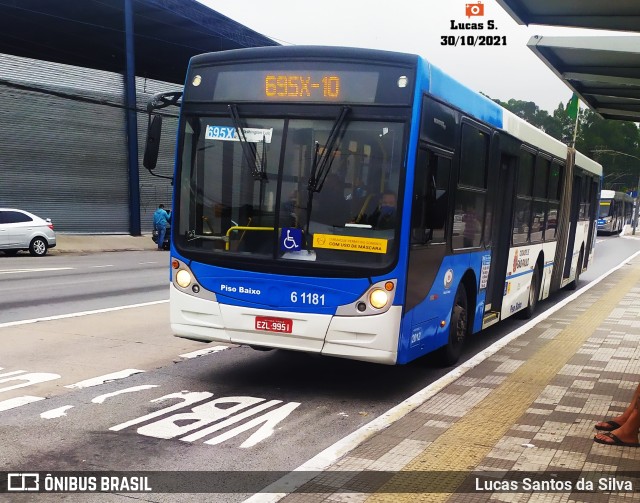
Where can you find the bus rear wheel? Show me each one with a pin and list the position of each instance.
(574, 284)
(534, 293)
(458, 328)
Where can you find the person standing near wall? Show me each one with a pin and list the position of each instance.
(160, 221)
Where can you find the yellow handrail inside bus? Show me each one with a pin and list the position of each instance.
(364, 208)
(243, 228)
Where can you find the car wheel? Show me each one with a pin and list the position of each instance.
(38, 247)
(11, 253)
(458, 328)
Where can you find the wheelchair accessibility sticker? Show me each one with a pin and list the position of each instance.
(291, 239)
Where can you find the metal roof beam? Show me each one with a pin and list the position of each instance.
(606, 79)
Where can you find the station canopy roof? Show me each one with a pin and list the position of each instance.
(603, 70)
(91, 33)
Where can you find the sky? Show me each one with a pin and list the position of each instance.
(417, 27)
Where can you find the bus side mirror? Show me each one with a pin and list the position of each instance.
(152, 146)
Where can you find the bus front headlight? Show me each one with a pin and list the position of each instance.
(183, 278)
(378, 298)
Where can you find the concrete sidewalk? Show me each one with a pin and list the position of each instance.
(92, 243)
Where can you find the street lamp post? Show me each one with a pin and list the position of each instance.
(634, 221)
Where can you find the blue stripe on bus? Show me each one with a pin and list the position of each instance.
(289, 293)
(518, 275)
(451, 91)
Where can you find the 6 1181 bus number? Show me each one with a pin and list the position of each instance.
(312, 299)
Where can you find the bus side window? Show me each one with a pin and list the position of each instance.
(430, 198)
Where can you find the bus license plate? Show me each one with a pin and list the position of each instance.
(283, 325)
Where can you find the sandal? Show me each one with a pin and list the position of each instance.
(607, 426)
(615, 441)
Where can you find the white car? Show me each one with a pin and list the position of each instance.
(21, 230)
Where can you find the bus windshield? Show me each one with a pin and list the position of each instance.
(320, 190)
(605, 208)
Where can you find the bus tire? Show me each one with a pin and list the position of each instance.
(260, 348)
(534, 294)
(574, 284)
(458, 328)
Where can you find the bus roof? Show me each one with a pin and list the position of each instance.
(432, 80)
(612, 194)
(441, 85)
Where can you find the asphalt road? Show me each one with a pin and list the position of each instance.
(36, 287)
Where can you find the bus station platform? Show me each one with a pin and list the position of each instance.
(515, 423)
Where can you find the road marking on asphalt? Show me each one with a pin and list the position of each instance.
(210, 416)
(82, 313)
(101, 266)
(187, 398)
(133, 389)
(40, 269)
(19, 401)
(27, 379)
(96, 381)
(323, 460)
(201, 352)
(55, 413)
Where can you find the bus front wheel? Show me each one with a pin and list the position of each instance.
(458, 328)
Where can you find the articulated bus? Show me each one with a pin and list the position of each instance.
(616, 209)
(362, 204)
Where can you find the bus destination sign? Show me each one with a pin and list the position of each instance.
(302, 85)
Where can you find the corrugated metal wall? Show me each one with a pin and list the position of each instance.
(63, 146)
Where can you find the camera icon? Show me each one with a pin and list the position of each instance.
(474, 9)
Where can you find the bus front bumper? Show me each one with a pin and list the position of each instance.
(368, 338)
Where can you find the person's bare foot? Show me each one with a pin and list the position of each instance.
(621, 438)
(611, 424)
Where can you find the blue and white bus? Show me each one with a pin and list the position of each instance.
(363, 204)
(616, 210)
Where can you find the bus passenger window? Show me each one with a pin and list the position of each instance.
(521, 221)
(468, 219)
(522, 218)
(552, 221)
(470, 198)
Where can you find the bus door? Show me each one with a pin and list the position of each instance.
(501, 232)
(576, 193)
(593, 217)
(429, 220)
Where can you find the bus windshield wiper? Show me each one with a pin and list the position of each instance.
(258, 168)
(322, 163)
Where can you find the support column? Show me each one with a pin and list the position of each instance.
(131, 121)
